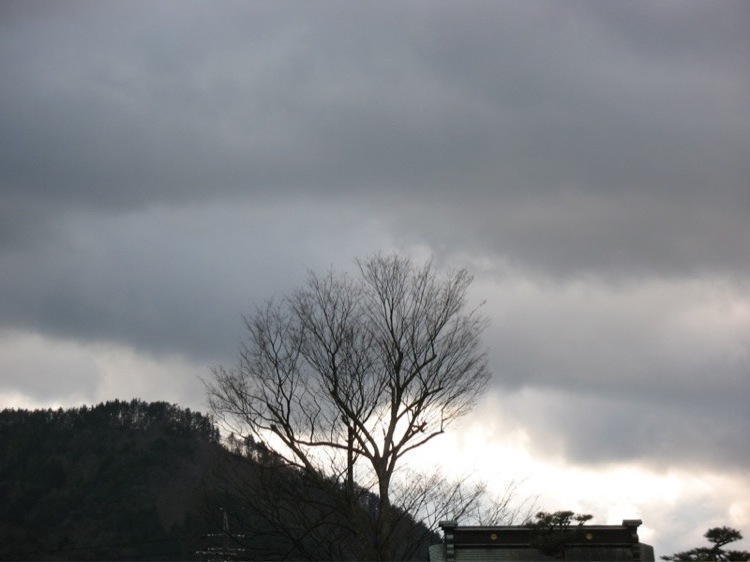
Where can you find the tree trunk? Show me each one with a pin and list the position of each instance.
(383, 546)
(350, 465)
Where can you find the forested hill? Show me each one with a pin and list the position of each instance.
(152, 481)
(121, 480)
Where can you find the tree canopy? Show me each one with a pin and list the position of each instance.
(352, 372)
(719, 537)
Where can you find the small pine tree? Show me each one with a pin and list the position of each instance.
(719, 537)
(553, 531)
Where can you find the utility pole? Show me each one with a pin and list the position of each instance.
(226, 550)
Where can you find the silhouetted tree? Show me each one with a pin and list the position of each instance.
(347, 375)
(719, 537)
(555, 530)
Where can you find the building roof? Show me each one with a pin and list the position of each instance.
(589, 543)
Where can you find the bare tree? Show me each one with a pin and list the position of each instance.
(433, 497)
(348, 374)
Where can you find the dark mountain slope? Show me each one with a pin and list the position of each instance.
(151, 481)
(122, 480)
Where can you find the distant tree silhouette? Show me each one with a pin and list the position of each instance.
(719, 537)
(557, 529)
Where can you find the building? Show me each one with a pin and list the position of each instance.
(588, 543)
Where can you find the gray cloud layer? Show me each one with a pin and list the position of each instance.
(164, 166)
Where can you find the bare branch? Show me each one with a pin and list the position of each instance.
(362, 369)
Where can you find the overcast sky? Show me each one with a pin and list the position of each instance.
(165, 166)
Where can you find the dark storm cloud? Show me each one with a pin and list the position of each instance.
(122, 111)
(498, 110)
(574, 234)
(654, 372)
(172, 281)
(635, 427)
(247, 99)
(165, 166)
